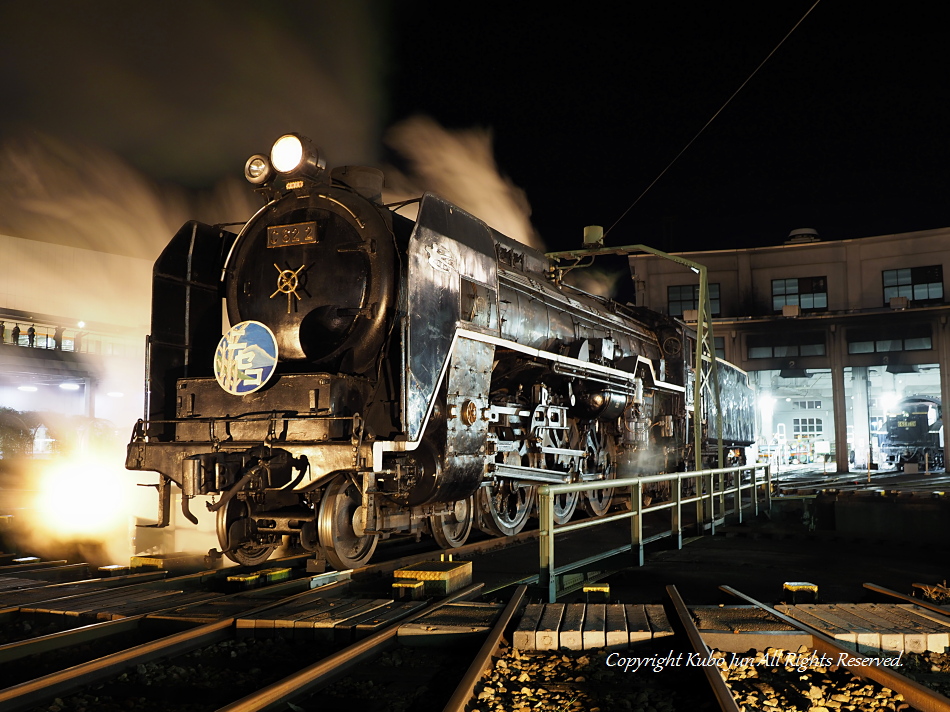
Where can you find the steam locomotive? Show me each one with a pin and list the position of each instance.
(379, 375)
(914, 432)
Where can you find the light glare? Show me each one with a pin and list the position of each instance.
(287, 153)
(82, 497)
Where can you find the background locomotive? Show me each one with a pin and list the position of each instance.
(914, 432)
(380, 375)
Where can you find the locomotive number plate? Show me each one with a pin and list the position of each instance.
(297, 234)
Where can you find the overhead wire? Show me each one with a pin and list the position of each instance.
(712, 118)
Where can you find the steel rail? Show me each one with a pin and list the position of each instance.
(916, 695)
(276, 696)
(27, 598)
(32, 566)
(35, 692)
(933, 607)
(32, 572)
(463, 693)
(724, 696)
(478, 547)
(75, 636)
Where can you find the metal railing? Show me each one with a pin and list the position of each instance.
(709, 497)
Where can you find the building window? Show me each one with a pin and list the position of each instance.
(810, 343)
(920, 285)
(720, 343)
(869, 341)
(807, 405)
(808, 293)
(686, 296)
(806, 427)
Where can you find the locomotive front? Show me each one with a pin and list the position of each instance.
(316, 264)
(293, 392)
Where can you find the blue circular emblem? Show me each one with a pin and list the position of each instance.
(245, 358)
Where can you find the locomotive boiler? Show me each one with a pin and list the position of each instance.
(337, 373)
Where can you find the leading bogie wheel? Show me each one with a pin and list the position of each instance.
(235, 530)
(451, 530)
(338, 526)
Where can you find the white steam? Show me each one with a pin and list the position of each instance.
(460, 167)
(88, 197)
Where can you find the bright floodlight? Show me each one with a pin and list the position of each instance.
(69, 386)
(287, 153)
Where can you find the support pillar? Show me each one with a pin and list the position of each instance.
(941, 335)
(838, 345)
(89, 397)
(860, 417)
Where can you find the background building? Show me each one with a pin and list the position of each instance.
(833, 333)
(89, 312)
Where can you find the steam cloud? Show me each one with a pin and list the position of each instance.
(460, 167)
(88, 197)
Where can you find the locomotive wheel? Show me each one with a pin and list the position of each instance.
(233, 525)
(599, 459)
(564, 504)
(504, 507)
(451, 530)
(337, 526)
(564, 507)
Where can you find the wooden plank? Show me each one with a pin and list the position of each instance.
(616, 635)
(546, 637)
(571, 632)
(595, 626)
(524, 637)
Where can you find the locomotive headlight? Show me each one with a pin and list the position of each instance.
(296, 154)
(258, 169)
(287, 153)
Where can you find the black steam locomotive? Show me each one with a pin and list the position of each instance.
(379, 375)
(914, 433)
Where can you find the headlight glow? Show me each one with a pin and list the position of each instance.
(287, 153)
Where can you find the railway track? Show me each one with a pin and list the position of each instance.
(217, 651)
(183, 658)
(64, 636)
(193, 668)
(811, 676)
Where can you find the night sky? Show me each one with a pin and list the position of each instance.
(844, 129)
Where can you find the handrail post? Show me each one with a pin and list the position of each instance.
(738, 496)
(698, 484)
(677, 517)
(755, 489)
(712, 503)
(721, 476)
(636, 525)
(546, 577)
